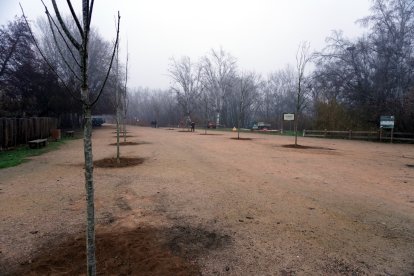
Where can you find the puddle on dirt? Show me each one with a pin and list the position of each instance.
(143, 251)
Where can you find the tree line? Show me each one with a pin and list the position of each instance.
(352, 82)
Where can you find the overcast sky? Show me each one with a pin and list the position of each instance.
(262, 34)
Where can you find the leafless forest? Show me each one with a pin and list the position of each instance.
(348, 84)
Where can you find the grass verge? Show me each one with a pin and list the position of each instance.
(15, 157)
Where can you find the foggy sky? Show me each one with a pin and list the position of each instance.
(262, 34)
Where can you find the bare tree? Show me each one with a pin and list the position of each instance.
(15, 43)
(80, 41)
(187, 84)
(302, 59)
(125, 101)
(206, 104)
(219, 69)
(118, 105)
(247, 86)
(278, 95)
(359, 80)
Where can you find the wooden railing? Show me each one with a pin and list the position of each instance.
(379, 135)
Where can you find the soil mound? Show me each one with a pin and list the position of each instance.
(122, 136)
(211, 134)
(293, 146)
(128, 252)
(243, 139)
(129, 143)
(124, 162)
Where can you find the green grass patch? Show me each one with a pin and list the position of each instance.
(15, 157)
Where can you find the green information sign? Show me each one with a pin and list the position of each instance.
(387, 121)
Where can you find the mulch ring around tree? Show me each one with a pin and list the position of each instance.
(129, 143)
(124, 162)
(124, 252)
(241, 138)
(293, 146)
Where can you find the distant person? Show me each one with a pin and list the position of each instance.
(154, 123)
(192, 126)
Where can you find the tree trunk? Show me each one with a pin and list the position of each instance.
(118, 160)
(296, 129)
(118, 106)
(206, 116)
(89, 187)
(124, 123)
(238, 128)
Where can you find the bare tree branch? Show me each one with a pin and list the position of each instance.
(75, 17)
(90, 12)
(65, 29)
(110, 64)
(45, 59)
(61, 35)
(60, 50)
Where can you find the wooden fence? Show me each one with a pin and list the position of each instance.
(379, 135)
(17, 131)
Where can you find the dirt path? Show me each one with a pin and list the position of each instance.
(217, 206)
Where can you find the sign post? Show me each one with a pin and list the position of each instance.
(387, 122)
(288, 117)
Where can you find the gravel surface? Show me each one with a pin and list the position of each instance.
(212, 205)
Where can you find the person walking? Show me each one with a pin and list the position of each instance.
(192, 126)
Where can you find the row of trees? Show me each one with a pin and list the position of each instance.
(214, 90)
(353, 82)
(358, 81)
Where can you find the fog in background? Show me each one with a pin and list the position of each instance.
(263, 34)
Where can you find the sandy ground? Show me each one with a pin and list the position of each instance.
(210, 205)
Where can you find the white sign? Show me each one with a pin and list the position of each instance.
(289, 116)
(387, 121)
